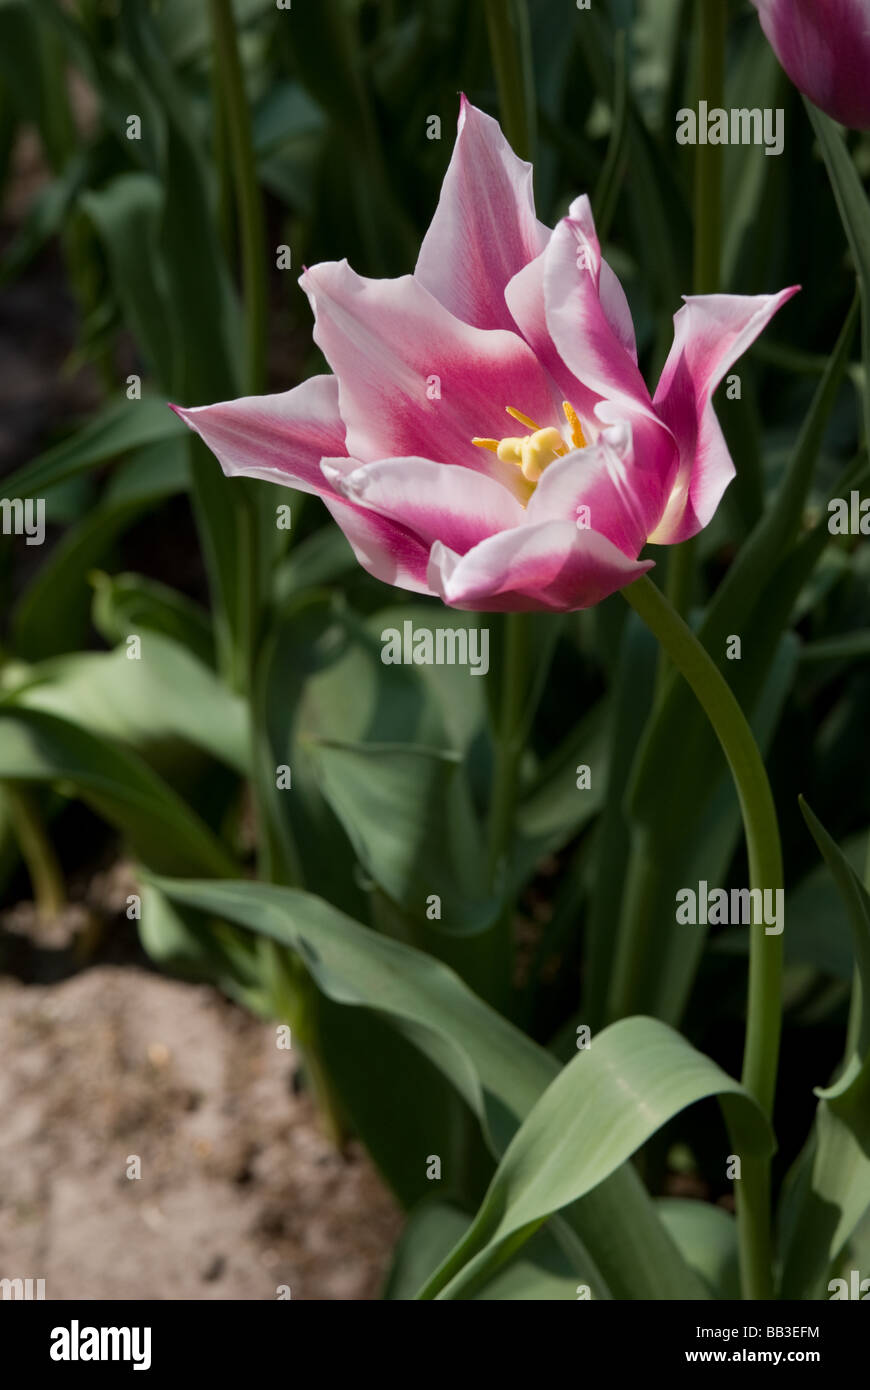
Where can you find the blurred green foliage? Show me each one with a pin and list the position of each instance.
(264, 652)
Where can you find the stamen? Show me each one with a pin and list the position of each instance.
(523, 419)
(486, 444)
(577, 438)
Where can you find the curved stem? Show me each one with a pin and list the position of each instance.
(764, 1007)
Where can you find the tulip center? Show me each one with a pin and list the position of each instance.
(533, 452)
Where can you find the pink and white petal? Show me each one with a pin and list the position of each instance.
(484, 229)
(616, 308)
(434, 501)
(413, 379)
(580, 325)
(710, 333)
(279, 438)
(525, 299)
(552, 567)
(384, 548)
(623, 495)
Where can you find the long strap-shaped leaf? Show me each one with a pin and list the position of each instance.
(603, 1106)
(855, 215)
(119, 785)
(828, 1190)
(499, 1071)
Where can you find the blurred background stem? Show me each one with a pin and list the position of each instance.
(46, 876)
(711, 27)
(235, 117)
(507, 23)
(510, 44)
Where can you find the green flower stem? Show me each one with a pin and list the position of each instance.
(764, 1009)
(46, 877)
(511, 47)
(712, 18)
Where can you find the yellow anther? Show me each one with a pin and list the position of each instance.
(532, 453)
(538, 450)
(523, 419)
(510, 450)
(577, 438)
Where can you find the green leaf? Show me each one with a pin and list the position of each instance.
(407, 814)
(44, 219)
(628, 709)
(164, 832)
(707, 1237)
(126, 603)
(636, 1075)
(818, 927)
(126, 213)
(827, 1192)
(540, 1272)
(318, 560)
(856, 901)
(53, 613)
(33, 70)
(118, 428)
(825, 1197)
(301, 842)
(326, 48)
(553, 809)
(431, 1231)
(459, 696)
(184, 943)
(162, 696)
(846, 647)
(855, 216)
(496, 1068)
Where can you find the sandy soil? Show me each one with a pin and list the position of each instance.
(239, 1190)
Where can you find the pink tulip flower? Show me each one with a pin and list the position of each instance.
(824, 46)
(486, 435)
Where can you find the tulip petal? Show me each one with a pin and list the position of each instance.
(622, 498)
(710, 333)
(279, 438)
(825, 49)
(552, 566)
(413, 379)
(525, 298)
(598, 353)
(433, 501)
(384, 548)
(484, 229)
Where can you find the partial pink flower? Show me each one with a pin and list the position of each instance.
(824, 46)
(486, 435)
